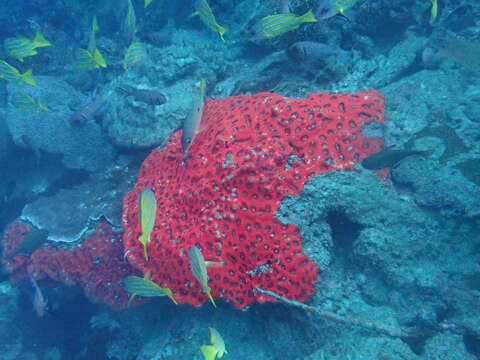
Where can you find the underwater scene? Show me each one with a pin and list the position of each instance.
(240, 179)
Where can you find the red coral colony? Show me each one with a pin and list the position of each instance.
(97, 265)
(251, 152)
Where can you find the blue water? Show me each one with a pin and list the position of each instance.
(396, 243)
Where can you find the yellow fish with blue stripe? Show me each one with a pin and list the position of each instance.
(217, 347)
(433, 11)
(137, 285)
(91, 39)
(275, 25)
(199, 270)
(148, 2)
(20, 48)
(147, 206)
(203, 10)
(135, 53)
(9, 73)
(328, 8)
(25, 102)
(88, 61)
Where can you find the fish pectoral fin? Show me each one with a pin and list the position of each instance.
(208, 352)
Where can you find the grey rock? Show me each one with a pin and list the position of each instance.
(84, 147)
(381, 232)
(438, 187)
(72, 213)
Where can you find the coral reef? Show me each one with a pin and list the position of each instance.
(97, 265)
(222, 196)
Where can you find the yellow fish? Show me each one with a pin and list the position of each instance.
(203, 10)
(87, 61)
(25, 102)
(147, 207)
(20, 48)
(217, 347)
(433, 11)
(148, 2)
(139, 286)
(9, 73)
(199, 270)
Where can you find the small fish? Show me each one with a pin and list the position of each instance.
(328, 8)
(217, 347)
(389, 157)
(191, 126)
(139, 286)
(148, 96)
(148, 2)
(9, 73)
(39, 301)
(433, 11)
(31, 242)
(275, 25)
(147, 206)
(87, 61)
(312, 50)
(135, 53)
(25, 102)
(199, 270)
(130, 23)
(87, 112)
(203, 10)
(92, 45)
(20, 48)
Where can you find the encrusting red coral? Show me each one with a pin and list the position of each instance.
(252, 152)
(97, 265)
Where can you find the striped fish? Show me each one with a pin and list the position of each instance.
(139, 286)
(147, 2)
(217, 347)
(130, 24)
(20, 48)
(88, 61)
(92, 44)
(9, 73)
(328, 8)
(199, 270)
(135, 53)
(203, 10)
(147, 207)
(275, 25)
(25, 102)
(191, 126)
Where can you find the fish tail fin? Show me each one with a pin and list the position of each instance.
(95, 27)
(99, 60)
(168, 292)
(221, 31)
(28, 78)
(43, 108)
(40, 41)
(209, 293)
(195, 13)
(145, 251)
(309, 17)
(208, 352)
